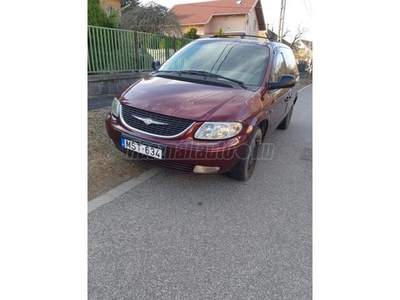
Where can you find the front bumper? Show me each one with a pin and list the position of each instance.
(182, 153)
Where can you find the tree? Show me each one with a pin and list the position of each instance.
(152, 18)
(191, 34)
(300, 31)
(128, 3)
(219, 32)
(98, 17)
(285, 33)
(131, 2)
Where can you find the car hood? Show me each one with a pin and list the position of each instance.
(183, 99)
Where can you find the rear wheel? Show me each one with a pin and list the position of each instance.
(245, 166)
(286, 121)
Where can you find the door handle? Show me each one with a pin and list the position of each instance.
(288, 97)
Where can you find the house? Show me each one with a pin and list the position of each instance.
(304, 51)
(231, 16)
(110, 5)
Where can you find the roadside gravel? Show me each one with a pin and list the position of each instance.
(107, 166)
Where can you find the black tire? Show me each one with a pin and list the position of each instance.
(286, 121)
(245, 166)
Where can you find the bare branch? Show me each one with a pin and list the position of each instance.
(300, 32)
(285, 33)
(152, 18)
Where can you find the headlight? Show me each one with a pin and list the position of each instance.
(115, 107)
(217, 131)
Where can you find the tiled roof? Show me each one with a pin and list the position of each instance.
(202, 12)
(309, 44)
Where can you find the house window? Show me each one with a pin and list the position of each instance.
(254, 25)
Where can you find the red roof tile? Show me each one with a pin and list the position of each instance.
(202, 12)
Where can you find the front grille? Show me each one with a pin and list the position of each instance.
(175, 126)
(171, 164)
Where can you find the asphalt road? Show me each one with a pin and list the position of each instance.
(179, 236)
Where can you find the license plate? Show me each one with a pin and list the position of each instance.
(141, 148)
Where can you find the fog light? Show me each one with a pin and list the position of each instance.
(205, 170)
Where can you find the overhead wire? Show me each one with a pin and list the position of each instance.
(307, 9)
(310, 5)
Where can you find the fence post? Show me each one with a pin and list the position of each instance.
(136, 51)
(166, 51)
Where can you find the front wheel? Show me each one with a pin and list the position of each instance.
(245, 166)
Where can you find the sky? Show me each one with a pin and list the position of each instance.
(297, 12)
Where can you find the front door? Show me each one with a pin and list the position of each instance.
(277, 99)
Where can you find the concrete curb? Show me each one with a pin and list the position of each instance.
(123, 188)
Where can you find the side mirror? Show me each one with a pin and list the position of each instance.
(285, 81)
(156, 65)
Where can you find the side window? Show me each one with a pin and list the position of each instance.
(279, 67)
(290, 62)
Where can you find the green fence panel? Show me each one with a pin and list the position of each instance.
(119, 51)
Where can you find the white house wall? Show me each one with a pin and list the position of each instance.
(252, 27)
(228, 24)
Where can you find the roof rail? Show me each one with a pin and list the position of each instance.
(241, 36)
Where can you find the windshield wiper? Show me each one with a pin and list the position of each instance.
(213, 75)
(158, 71)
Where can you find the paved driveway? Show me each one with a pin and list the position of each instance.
(178, 236)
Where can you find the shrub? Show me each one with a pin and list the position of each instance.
(98, 17)
(191, 34)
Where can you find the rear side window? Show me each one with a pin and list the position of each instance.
(285, 63)
(291, 66)
(279, 67)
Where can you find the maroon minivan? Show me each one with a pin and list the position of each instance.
(208, 109)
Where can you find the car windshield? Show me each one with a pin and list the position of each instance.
(242, 63)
